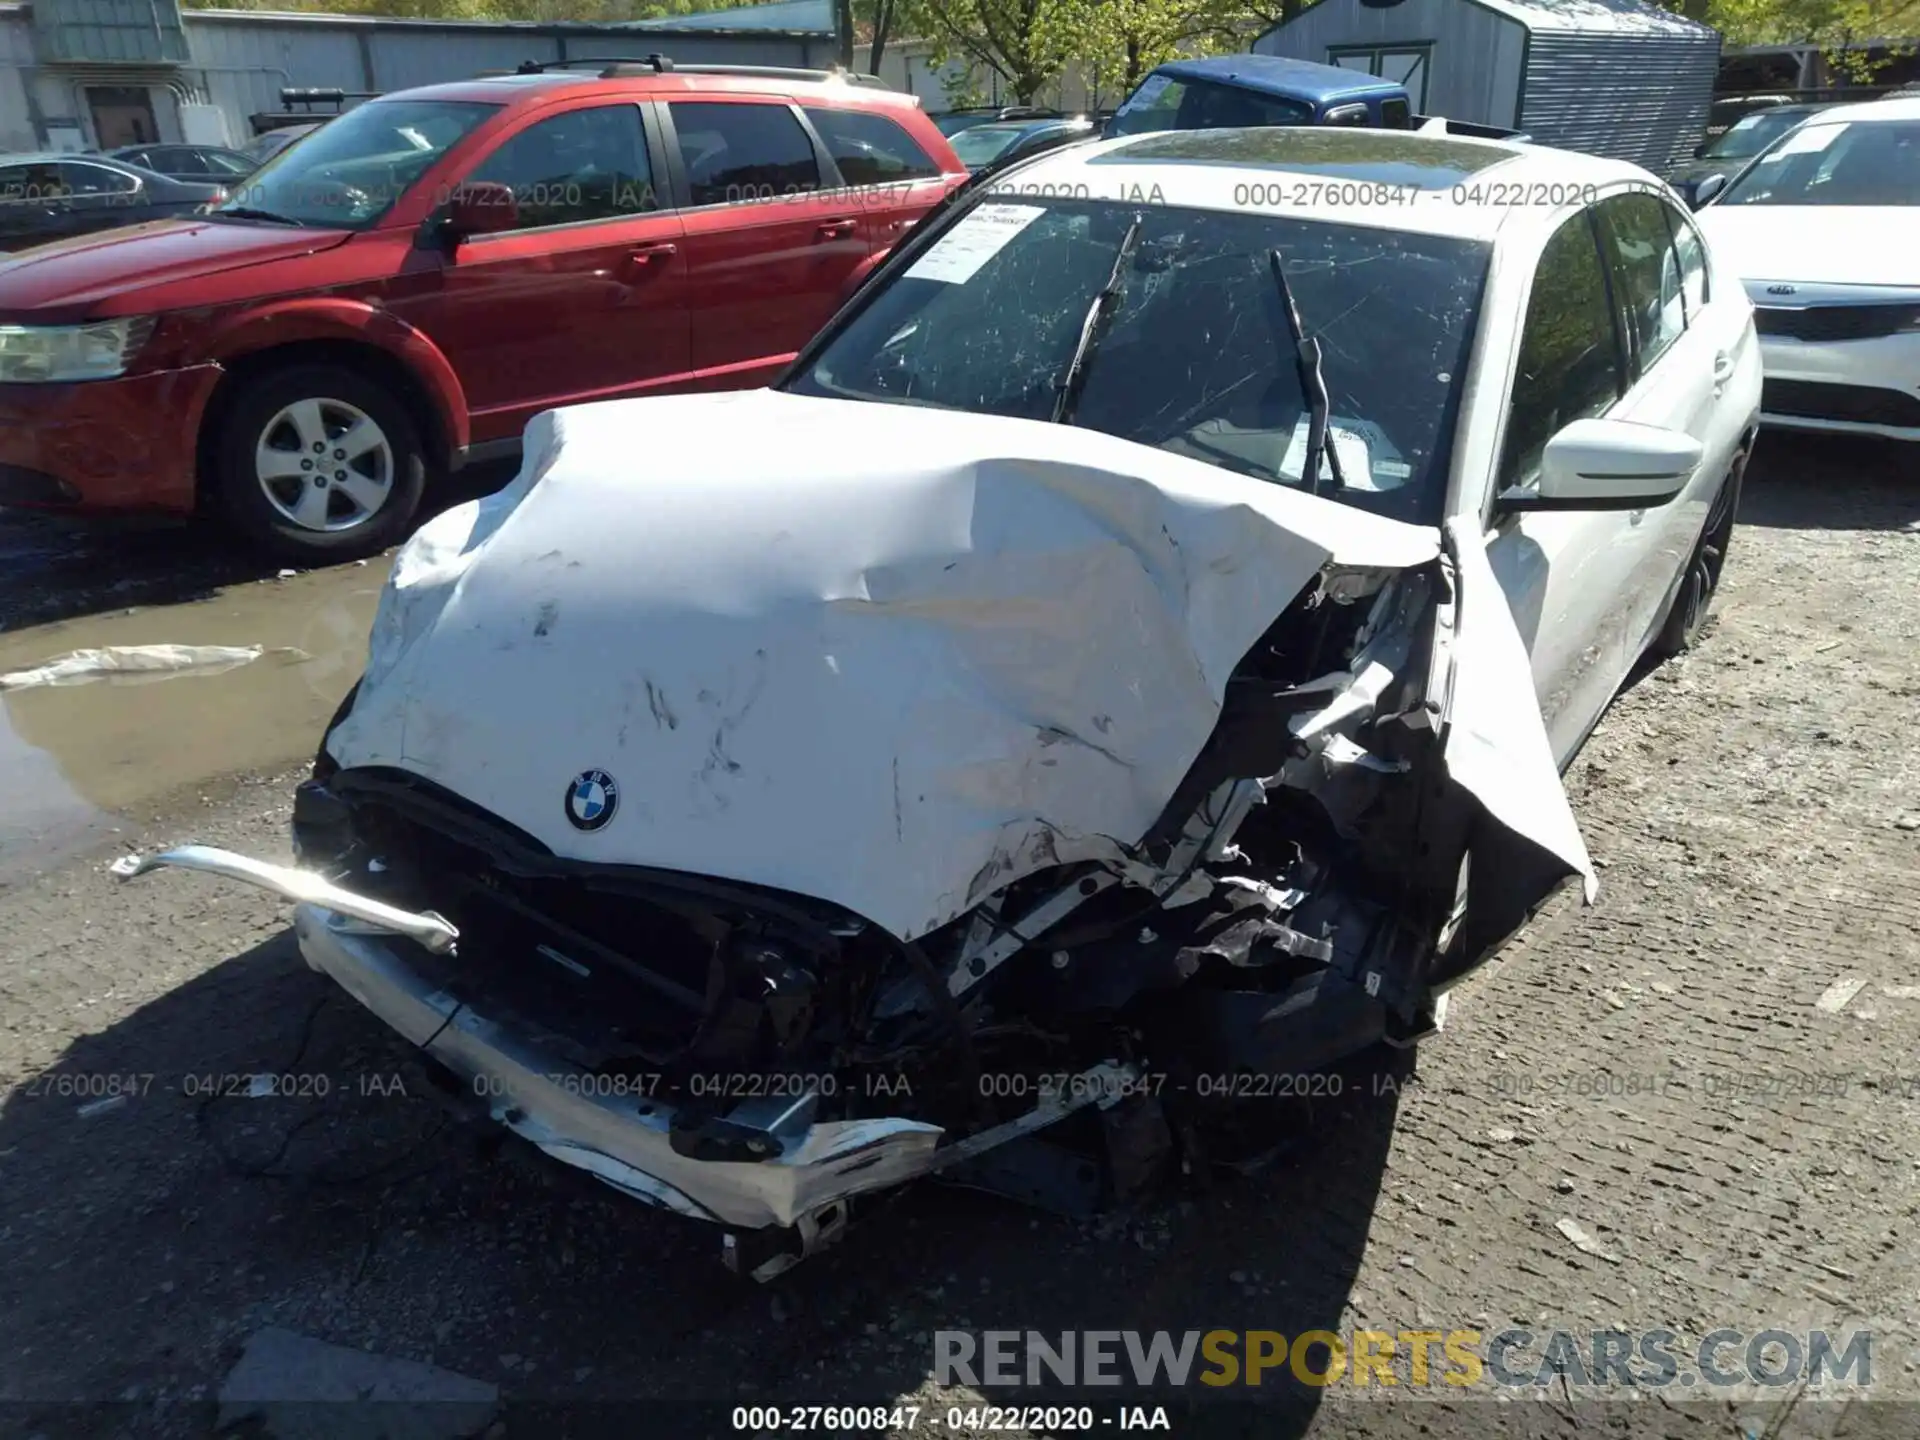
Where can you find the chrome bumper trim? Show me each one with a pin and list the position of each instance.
(425, 928)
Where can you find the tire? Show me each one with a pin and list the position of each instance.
(1693, 601)
(283, 482)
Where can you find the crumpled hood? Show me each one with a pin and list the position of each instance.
(891, 657)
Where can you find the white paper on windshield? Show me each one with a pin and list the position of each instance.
(1367, 458)
(1150, 90)
(958, 255)
(1809, 140)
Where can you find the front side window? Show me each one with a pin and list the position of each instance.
(175, 162)
(226, 162)
(1835, 162)
(1197, 359)
(31, 184)
(1648, 270)
(743, 151)
(870, 149)
(579, 165)
(352, 170)
(1570, 365)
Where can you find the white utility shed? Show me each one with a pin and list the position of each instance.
(1610, 77)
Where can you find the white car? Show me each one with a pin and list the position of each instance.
(1125, 664)
(1824, 228)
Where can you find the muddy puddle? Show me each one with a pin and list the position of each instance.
(75, 755)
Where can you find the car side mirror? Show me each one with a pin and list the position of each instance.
(1608, 465)
(1707, 189)
(479, 207)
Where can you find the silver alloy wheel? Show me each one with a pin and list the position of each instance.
(324, 464)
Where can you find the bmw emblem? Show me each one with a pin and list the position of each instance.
(592, 797)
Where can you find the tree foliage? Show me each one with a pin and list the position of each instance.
(1027, 44)
(1831, 25)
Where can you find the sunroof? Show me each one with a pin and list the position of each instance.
(1383, 157)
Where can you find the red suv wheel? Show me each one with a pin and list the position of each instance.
(318, 463)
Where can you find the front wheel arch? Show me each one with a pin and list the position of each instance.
(244, 369)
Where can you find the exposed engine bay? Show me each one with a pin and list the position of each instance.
(1095, 1011)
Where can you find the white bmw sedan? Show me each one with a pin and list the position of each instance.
(1140, 636)
(1824, 228)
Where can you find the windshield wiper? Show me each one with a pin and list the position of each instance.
(248, 212)
(1099, 314)
(1313, 385)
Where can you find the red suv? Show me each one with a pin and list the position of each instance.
(405, 288)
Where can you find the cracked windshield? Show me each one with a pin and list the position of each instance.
(1195, 354)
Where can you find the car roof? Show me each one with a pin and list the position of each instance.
(1332, 174)
(1303, 79)
(670, 84)
(1893, 108)
(44, 157)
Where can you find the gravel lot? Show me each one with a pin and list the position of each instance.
(1749, 1157)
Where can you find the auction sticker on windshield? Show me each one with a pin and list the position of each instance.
(958, 255)
(1810, 141)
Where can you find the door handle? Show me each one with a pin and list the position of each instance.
(1722, 370)
(647, 254)
(834, 229)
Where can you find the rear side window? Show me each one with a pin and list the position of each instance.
(1570, 366)
(579, 165)
(870, 149)
(1649, 274)
(96, 180)
(743, 151)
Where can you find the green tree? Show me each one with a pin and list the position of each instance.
(1831, 25)
(1025, 42)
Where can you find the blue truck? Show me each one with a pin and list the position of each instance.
(1235, 91)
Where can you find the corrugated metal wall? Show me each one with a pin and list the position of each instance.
(240, 62)
(16, 54)
(119, 32)
(1475, 65)
(1642, 98)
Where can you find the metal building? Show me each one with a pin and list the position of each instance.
(80, 74)
(1609, 77)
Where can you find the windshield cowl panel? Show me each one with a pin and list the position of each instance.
(1196, 356)
(351, 171)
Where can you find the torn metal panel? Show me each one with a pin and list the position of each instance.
(1497, 747)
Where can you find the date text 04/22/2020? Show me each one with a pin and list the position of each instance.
(965, 1419)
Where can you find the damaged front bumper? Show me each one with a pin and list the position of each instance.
(618, 1133)
(403, 966)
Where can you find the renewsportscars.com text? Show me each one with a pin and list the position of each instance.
(1514, 1358)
